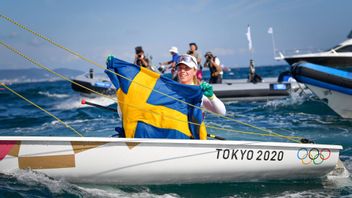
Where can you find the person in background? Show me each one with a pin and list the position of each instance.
(172, 63)
(213, 63)
(193, 52)
(186, 72)
(140, 59)
(253, 77)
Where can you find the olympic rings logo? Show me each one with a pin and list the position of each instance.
(313, 155)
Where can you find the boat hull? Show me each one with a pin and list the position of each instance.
(337, 61)
(330, 85)
(228, 90)
(337, 101)
(243, 90)
(159, 161)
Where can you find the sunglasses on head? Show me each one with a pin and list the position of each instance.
(187, 59)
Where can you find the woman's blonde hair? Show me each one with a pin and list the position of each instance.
(195, 79)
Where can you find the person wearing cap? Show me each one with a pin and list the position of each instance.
(172, 63)
(186, 72)
(213, 63)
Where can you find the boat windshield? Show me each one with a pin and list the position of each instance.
(333, 48)
(347, 48)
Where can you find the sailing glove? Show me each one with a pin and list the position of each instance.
(108, 60)
(207, 89)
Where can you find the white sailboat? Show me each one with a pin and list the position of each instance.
(161, 161)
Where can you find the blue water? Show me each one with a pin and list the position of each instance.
(299, 116)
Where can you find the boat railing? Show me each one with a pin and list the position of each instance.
(293, 52)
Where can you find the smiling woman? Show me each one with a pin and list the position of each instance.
(187, 74)
(187, 70)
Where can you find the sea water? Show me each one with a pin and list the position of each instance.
(298, 116)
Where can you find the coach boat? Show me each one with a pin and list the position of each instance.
(331, 85)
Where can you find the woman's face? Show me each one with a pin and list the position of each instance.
(185, 74)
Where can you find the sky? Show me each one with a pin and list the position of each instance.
(96, 29)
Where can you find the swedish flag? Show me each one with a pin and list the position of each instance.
(147, 113)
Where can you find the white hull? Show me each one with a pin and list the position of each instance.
(339, 56)
(156, 161)
(241, 89)
(339, 102)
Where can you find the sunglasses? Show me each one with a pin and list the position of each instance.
(187, 59)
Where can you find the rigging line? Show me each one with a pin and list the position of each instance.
(140, 84)
(47, 112)
(53, 72)
(61, 76)
(65, 78)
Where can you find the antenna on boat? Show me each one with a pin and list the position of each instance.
(271, 31)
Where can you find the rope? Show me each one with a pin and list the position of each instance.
(152, 112)
(32, 103)
(103, 67)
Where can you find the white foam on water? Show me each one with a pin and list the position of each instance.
(35, 180)
(113, 192)
(231, 102)
(22, 80)
(290, 101)
(50, 95)
(31, 178)
(308, 193)
(93, 121)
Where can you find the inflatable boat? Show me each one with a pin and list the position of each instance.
(239, 89)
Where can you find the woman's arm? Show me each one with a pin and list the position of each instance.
(214, 104)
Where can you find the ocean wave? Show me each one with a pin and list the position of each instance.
(31, 181)
(290, 101)
(307, 193)
(50, 95)
(113, 192)
(83, 121)
(28, 80)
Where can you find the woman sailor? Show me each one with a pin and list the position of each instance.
(187, 74)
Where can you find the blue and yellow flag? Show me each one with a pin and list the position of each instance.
(149, 114)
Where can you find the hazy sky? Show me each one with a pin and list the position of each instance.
(98, 28)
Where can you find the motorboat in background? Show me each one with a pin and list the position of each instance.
(339, 56)
(241, 89)
(96, 82)
(230, 89)
(331, 85)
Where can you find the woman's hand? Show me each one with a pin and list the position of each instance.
(108, 59)
(207, 89)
